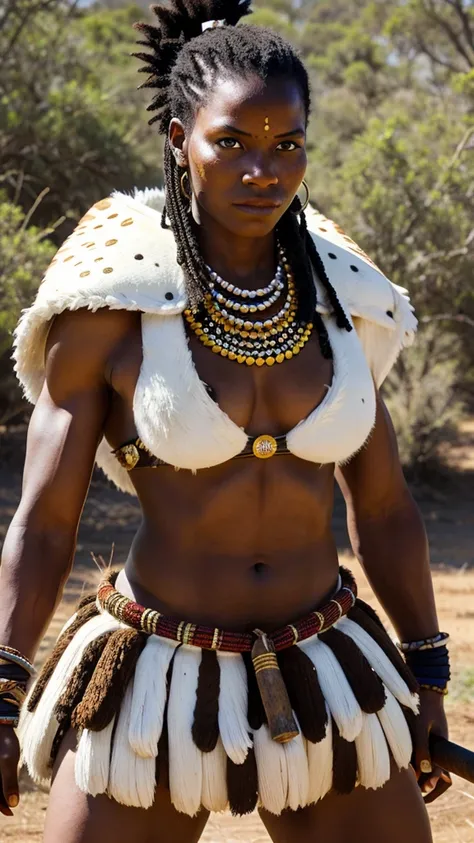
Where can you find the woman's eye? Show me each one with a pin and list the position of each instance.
(288, 146)
(229, 143)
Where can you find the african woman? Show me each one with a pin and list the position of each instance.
(219, 352)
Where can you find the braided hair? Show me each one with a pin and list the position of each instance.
(182, 64)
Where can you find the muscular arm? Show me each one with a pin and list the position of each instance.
(388, 537)
(387, 533)
(65, 428)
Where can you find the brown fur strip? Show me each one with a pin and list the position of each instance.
(58, 739)
(411, 719)
(367, 686)
(162, 761)
(85, 614)
(344, 763)
(242, 785)
(86, 600)
(367, 608)
(381, 636)
(111, 676)
(304, 691)
(80, 679)
(205, 729)
(255, 710)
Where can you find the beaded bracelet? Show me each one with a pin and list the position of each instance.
(429, 662)
(8, 655)
(437, 640)
(12, 691)
(443, 691)
(9, 721)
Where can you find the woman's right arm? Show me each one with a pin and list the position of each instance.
(65, 429)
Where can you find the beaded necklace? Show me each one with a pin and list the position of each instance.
(262, 342)
(248, 305)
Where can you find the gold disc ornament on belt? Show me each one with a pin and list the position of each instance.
(264, 447)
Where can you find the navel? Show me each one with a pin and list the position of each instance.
(260, 569)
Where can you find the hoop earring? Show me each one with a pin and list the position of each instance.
(303, 205)
(183, 188)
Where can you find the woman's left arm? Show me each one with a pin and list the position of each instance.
(389, 539)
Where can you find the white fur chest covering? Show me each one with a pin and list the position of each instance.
(120, 257)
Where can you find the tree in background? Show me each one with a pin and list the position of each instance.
(390, 151)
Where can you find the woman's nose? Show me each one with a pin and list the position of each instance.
(261, 173)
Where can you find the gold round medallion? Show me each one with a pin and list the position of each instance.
(128, 456)
(264, 447)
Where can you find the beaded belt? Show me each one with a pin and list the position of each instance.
(154, 623)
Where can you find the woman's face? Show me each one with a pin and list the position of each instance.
(245, 154)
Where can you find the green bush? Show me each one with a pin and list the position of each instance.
(25, 252)
(421, 395)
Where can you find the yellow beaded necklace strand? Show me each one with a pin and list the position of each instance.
(259, 343)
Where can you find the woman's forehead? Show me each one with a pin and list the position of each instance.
(250, 100)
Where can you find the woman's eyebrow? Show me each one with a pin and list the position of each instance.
(293, 132)
(227, 128)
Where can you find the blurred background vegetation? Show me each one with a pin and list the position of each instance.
(391, 158)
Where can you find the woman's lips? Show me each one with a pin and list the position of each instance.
(257, 210)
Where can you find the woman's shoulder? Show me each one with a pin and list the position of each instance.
(117, 259)
(118, 256)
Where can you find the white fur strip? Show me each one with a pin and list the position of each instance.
(185, 766)
(320, 764)
(298, 772)
(272, 770)
(131, 779)
(336, 689)
(149, 696)
(92, 764)
(67, 624)
(214, 779)
(372, 753)
(396, 730)
(233, 724)
(38, 729)
(380, 663)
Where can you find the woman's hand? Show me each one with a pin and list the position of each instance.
(433, 781)
(9, 759)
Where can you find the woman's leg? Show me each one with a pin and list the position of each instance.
(73, 817)
(393, 813)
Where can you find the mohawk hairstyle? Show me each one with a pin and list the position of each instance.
(182, 64)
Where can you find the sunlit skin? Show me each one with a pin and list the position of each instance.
(241, 545)
(232, 160)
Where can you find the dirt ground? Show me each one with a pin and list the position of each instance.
(111, 518)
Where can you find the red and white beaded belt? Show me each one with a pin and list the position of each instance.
(153, 622)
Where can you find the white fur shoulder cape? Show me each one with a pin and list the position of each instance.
(120, 257)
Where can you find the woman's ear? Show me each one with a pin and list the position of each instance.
(178, 143)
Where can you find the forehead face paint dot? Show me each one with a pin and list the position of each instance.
(267, 124)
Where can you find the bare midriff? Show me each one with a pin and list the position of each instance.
(247, 543)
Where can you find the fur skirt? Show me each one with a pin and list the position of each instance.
(138, 701)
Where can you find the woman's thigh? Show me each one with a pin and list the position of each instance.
(74, 817)
(394, 812)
